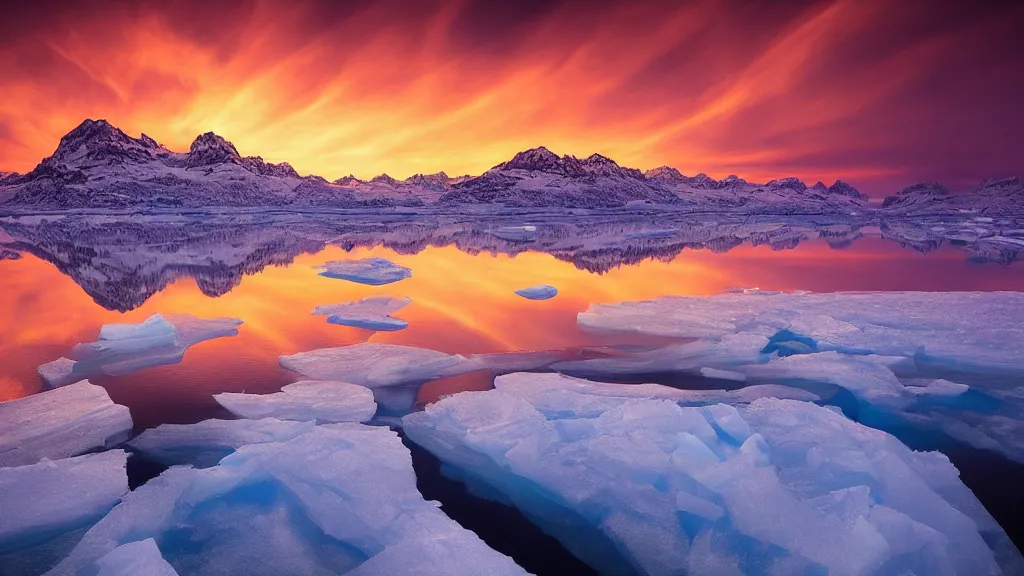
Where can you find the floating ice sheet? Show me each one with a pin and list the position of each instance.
(125, 348)
(643, 485)
(372, 271)
(60, 423)
(308, 400)
(325, 502)
(43, 504)
(205, 443)
(539, 292)
(141, 558)
(516, 233)
(371, 313)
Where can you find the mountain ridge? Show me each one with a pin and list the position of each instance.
(98, 165)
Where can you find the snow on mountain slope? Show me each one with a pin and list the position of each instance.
(994, 197)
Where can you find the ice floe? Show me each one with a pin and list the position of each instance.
(898, 361)
(313, 400)
(45, 504)
(395, 372)
(140, 558)
(516, 233)
(372, 271)
(370, 313)
(773, 486)
(539, 292)
(60, 423)
(206, 443)
(338, 499)
(124, 348)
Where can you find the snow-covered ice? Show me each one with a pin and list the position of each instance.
(125, 348)
(337, 498)
(899, 361)
(644, 485)
(308, 400)
(206, 443)
(60, 423)
(372, 271)
(140, 558)
(370, 313)
(539, 292)
(43, 504)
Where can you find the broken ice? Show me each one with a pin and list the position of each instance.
(540, 292)
(141, 558)
(644, 485)
(60, 423)
(338, 499)
(206, 443)
(372, 271)
(44, 504)
(371, 313)
(897, 361)
(125, 348)
(308, 400)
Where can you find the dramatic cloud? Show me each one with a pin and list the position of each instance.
(879, 93)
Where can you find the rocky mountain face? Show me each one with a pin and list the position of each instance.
(97, 165)
(998, 197)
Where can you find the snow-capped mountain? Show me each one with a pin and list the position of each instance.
(539, 177)
(417, 189)
(991, 198)
(98, 165)
(782, 196)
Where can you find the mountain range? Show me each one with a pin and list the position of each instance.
(97, 165)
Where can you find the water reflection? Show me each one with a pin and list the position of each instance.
(77, 273)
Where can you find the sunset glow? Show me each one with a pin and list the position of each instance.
(821, 90)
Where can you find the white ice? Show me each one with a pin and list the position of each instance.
(308, 400)
(516, 233)
(205, 443)
(43, 504)
(140, 558)
(539, 292)
(60, 423)
(644, 485)
(370, 313)
(372, 271)
(878, 347)
(324, 502)
(125, 348)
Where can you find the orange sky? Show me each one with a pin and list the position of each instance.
(878, 93)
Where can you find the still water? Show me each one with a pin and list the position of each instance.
(461, 303)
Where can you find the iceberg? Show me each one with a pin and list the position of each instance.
(516, 233)
(141, 558)
(339, 499)
(60, 423)
(206, 443)
(540, 292)
(308, 400)
(48, 503)
(123, 348)
(774, 486)
(372, 271)
(371, 313)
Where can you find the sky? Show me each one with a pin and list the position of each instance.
(881, 94)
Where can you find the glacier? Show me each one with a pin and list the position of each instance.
(539, 292)
(48, 504)
(639, 484)
(124, 348)
(339, 499)
(306, 400)
(59, 423)
(372, 271)
(206, 443)
(370, 313)
(899, 361)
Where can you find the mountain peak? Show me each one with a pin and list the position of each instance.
(664, 173)
(209, 149)
(599, 159)
(538, 159)
(383, 179)
(846, 189)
